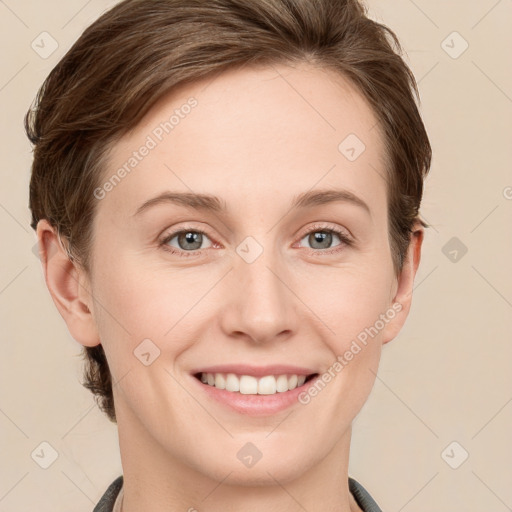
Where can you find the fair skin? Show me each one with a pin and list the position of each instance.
(256, 143)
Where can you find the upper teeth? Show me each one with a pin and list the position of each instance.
(249, 385)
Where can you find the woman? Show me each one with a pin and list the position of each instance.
(226, 197)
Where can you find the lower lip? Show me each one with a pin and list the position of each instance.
(255, 405)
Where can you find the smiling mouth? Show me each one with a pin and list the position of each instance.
(250, 385)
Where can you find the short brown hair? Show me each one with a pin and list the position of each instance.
(141, 49)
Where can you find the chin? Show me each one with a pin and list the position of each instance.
(224, 465)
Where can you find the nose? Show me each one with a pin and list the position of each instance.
(261, 306)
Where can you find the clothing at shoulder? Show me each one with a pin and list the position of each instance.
(361, 495)
(108, 500)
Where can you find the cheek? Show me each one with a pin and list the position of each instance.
(351, 300)
(131, 308)
(148, 309)
(352, 304)
(136, 302)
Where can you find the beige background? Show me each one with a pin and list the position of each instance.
(445, 379)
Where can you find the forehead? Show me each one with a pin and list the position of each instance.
(251, 135)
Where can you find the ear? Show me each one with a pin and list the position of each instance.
(68, 286)
(401, 303)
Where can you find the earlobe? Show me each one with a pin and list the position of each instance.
(403, 296)
(63, 280)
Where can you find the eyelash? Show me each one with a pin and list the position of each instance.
(346, 241)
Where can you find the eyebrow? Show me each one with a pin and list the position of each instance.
(207, 202)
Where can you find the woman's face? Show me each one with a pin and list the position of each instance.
(291, 265)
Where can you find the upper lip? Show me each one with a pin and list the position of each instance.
(256, 371)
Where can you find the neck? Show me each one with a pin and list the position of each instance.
(160, 478)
